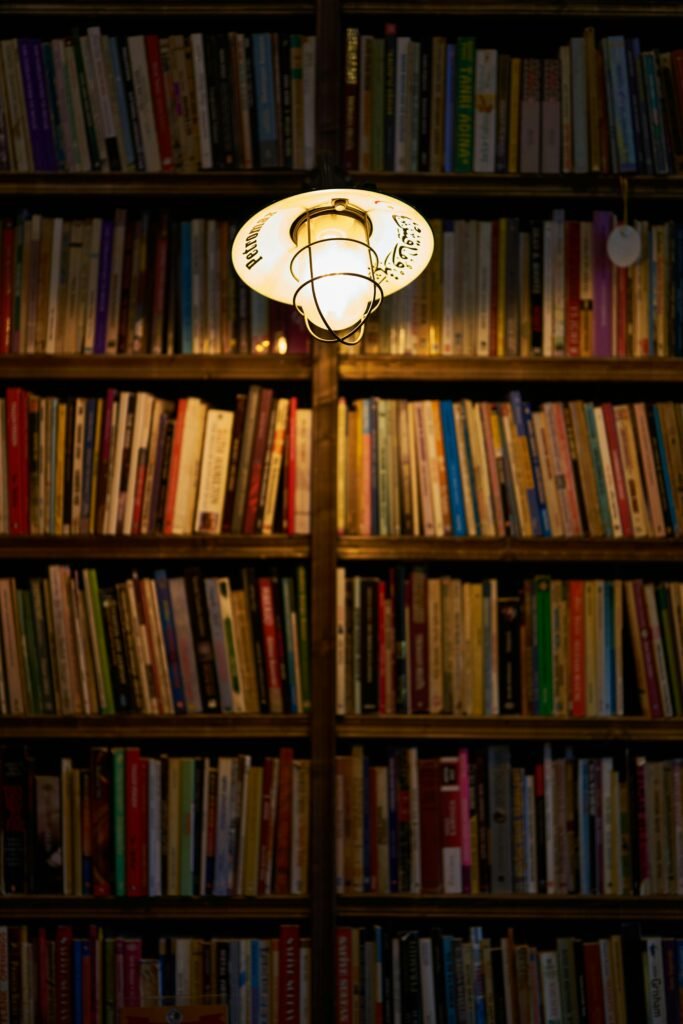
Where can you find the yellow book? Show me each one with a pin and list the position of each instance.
(513, 125)
(477, 648)
(434, 289)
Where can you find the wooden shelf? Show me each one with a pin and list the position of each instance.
(126, 548)
(189, 908)
(499, 728)
(210, 184)
(426, 185)
(85, 10)
(513, 907)
(123, 728)
(155, 368)
(509, 549)
(503, 8)
(558, 371)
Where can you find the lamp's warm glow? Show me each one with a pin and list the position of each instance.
(334, 254)
(335, 271)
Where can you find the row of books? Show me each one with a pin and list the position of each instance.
(447, 105)
(205, 101)
(132, 282)
(409, 643)
(160, 644)
(514, 287)
(133, 825)
(489, 469)
(486, 820)
(133, 463)
(394, 975)
(84, 974)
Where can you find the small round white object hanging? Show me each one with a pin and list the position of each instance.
(623, 245)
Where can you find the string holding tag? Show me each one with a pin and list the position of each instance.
(623, 242)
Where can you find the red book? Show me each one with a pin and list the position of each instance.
(645, 635)
(269, 633)
(289, 476)
(100, 784)
(381, 652)
(16, 412)
(593, 979)
(494, 312)
(344, 979)
(449, 815)
(6, 286)
(617, 469)
(63, 974)
(430, 827)
(133, 823)
(156, 81)
(268, 809)
(132, 954)
(419, 665)
(577, 649)
(258, 453)
(172, 486)
(289, 994)
(573, 342)
(283, 833)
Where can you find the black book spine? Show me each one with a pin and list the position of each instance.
(369, 645)
(508, 655)
(227, 140)
(117, 661)
(249, 585)
(131, 105)
(286, 90)
(411, 994)
(157, 512)
(439, 976)
(211, 62)
(389, 99)
(68, 464)
(425, 106)
(14, 822)
(199, 619)
(128, 645)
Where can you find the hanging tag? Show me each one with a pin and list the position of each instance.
(623, 245)
(623, 242)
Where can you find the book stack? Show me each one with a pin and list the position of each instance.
(436, 468)
(132, 825)
(412, 643)
(593, 105)
(485, 820)
(197, 102)
(518, 287)
(78, 974)
(132, 463)
(155, 645)
(412, 975)
(130, 283)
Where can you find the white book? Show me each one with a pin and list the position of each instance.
(185, 642)
(115, 275)
(427, 981)
(417, 517)
(143, 102)
(457, 283)
(550, 983)
(483, 326)
(214, 471)
(202, 101)
(53, 288)
(223, 804)
(188, 466)
(138, 447)
(416, 413)
(92, 286)
(448, 290)
(17, 116)
(485, 88)
(302, 486)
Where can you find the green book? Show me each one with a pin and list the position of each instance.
(29, 647)
(118, 759)
(464, 111)
(92, 600)
(187, 813)
(304, 645)
(544, 653)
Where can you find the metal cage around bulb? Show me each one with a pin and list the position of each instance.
(353, 334)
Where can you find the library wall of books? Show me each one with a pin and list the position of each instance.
(341, 684)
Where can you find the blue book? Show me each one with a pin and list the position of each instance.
(666, 476)
(589, 412)
(255, 980)
(536, 469)
(453, 470)
(288, 606)
(476, 938)
(646, 139)
(450, 994)
(449, 109)
(516, 406)
(265, 995)
(104, 276)
(128, 144)
(264, 99)
(77, 953)
(469, 469)
(44, 119)
(90, 411)
(186, 287)
(638, 128)
(168, 629)
(583, 811)
(393, 826)
(660, 152)
(621, 102)
(31, 100)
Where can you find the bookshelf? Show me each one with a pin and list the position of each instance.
(327, 374)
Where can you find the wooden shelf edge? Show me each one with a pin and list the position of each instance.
(149, 8)
(431, 549)
(156, 368)
(154, 548)
(209, 184)
(507, 727)
(560, 370)
(112, 728)
(57, 908)
(512, 907)
(530, 186)
(481, 8)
